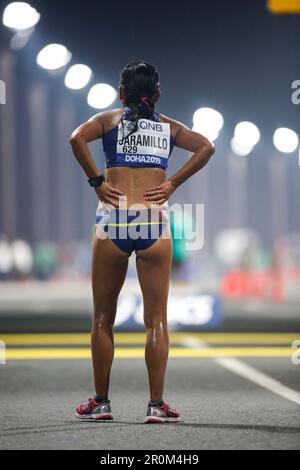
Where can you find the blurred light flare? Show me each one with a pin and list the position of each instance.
(20, 39)
(53, 57)
(22, 256)
(232, 244)
(208, 122)
(20, 16)
(6, 257)
(78, 76)
(246, 136)
(239, 149)
(101, 96)
(285, 140)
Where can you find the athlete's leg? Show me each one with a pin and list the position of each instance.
(153, 267)
(109, 267)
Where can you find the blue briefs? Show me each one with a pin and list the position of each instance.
(130, 230)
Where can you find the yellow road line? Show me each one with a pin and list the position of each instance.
(242, 338)
(139, 338)
(130, 224)
(137, 353)
(45, 338)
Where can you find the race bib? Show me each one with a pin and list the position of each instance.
(151, 139)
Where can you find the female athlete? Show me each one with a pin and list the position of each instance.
(132, 216)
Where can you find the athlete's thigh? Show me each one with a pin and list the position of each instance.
(109, 268)
(154, 267)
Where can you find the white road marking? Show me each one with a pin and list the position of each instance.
(259, 378)
(249, 373)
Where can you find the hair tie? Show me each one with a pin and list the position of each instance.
(144, 99)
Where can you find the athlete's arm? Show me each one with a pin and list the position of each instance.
(91, 130)
(189, 140)
(87, 132)
(202, 150)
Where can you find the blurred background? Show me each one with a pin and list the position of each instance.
(227, 69)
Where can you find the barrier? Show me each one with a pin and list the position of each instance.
(185, 311)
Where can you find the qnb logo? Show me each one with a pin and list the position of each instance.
(296, 353)
(151, 126)
(2, 92)
(295, 97)
(2, 353)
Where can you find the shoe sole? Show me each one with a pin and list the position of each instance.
(151, 419)
(103, 417)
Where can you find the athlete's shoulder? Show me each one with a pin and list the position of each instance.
(175, 125)
(109, 119)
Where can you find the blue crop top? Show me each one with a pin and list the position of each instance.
(150, 146)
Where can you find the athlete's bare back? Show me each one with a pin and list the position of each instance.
(134, 181)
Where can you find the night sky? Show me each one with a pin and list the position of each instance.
(232, 55)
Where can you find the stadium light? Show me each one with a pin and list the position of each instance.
(20, 15)
(209, 122)
(101, 96)
(285, 140)
(78, 76)
(53, 57)
(246, 136)
(239, 149)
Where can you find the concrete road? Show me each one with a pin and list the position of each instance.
(225, 405)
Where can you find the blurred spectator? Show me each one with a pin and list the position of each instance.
(45, 260)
